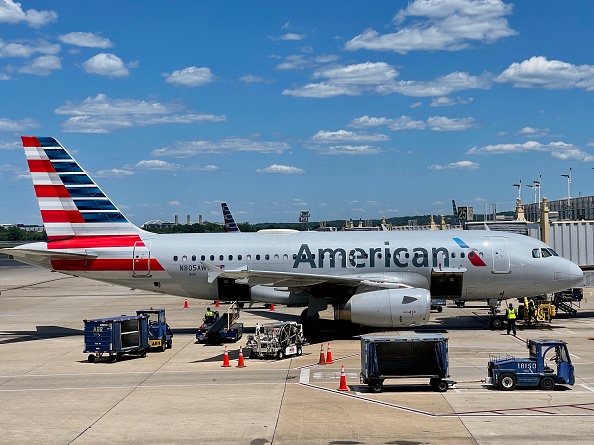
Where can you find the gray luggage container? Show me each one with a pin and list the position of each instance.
(397, 356)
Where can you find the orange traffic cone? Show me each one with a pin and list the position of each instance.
(271, 307)
(240, 362)
(322, 357)
(329, 356)
(343, 386)
(186, 305)
(217, 304)
(226, 359)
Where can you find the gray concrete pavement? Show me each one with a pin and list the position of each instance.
(50, 394)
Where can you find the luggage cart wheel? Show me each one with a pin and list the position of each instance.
(442, 386)
(376, 386)
(91, 358)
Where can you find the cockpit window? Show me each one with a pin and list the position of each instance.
(535, 253)
(553, 252)
(546, 253)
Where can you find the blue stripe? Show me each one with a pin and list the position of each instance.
(461, 243)
(100, 217)
(85, 192)
(57, 154)
(66, 167)
(48, 142)
(75, 179)
(94, 204)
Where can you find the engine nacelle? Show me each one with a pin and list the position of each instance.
(387, 308)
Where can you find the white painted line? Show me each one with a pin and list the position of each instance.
(304, 376)
(588, 387)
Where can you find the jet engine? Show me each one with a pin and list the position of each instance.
(387, 308)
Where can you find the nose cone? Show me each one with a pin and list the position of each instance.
(576, 275)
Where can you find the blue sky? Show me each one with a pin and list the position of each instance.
(347, 109)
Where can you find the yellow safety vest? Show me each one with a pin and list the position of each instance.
(511, 314)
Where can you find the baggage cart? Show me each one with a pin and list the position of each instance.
(115, 336)
(397, 356)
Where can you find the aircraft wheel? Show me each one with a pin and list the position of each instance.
(547, 383)
(507, 382)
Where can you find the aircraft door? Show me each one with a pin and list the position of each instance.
(500, 254)
(141, 259)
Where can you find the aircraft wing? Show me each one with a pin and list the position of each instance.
(304, 280)
(43, 258)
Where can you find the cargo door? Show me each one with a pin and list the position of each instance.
(447, 282)
(141, 259)
(500, 254)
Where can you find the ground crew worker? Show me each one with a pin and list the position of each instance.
(510, 314)
(531, 311)
(209, 315)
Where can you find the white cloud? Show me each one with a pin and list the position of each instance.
(330, 137)
(440, 86)
(450, 25)
(190, 77)
(254, 79)
(282, 169)
(42, 66)
(435, 123)
(534, 132)
(156, 164)
(106, 65)
(346, 149)
(416, 104)
(174, 203)
(461, 165)
(538, 72)
(114, 173)
(449, 101)
(559, 150)
(16, 126)
(27, 49)
(11, 12)
(290, 36)
(221, 146)
(367, 73)
(101, 114)
(85, 39)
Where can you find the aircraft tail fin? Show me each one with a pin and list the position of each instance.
(230, 224)
(71, 203)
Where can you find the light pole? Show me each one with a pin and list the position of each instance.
(519, 186)
(568, 193)
(534, 188)
(538, 185)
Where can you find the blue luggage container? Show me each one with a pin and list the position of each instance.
(115, 336)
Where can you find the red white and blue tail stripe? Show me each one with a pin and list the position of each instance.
(230, 224)
(71, 203)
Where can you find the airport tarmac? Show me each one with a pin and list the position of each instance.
(51, 394)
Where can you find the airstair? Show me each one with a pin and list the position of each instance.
(569, 300)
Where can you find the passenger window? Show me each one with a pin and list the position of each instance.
(294, 256)
(453, 254)
(202, 258)
(239, 257)
(221, 257)
(266, 257)
(230, 257)
(248, 257)
(276, 256)
(174, 257)
(258, 257)
(462, 255)
(193, 257)
(535, 253)
(285, 257)
(545, 253)
(184, 258)
(212, 258)
(470, 254)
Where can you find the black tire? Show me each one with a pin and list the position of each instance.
(441, 386)
(496, 323)
(280, 354)
(299, 350)
(91, 358)
(376, 386)
(439, 309)
(143, 353)
(547, 384)
(169, 344)
(507, 382)
(163, 344)
(113, 358)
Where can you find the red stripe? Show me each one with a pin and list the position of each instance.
(107, 264)
(30, 141)
(41, 166)
(98, 241)
(51, 191)
(61, 216)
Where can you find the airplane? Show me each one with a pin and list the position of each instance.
(381, 279)
(230, 224)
